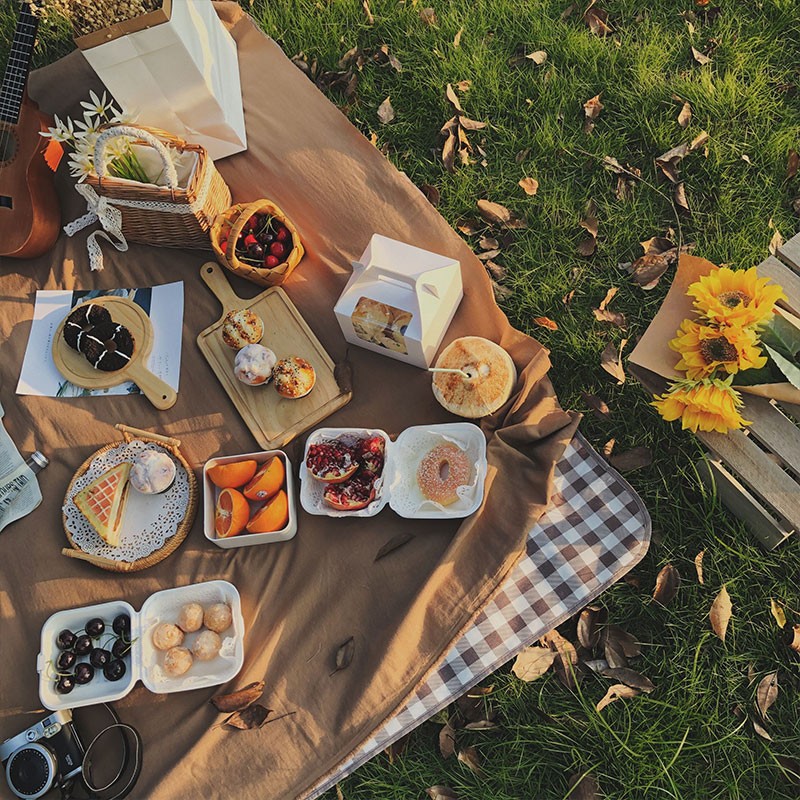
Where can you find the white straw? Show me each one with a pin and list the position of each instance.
(443, 369)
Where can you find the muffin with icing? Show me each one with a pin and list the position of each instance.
(294, 377)
(242, 327)
(153, 472)
(254, 364)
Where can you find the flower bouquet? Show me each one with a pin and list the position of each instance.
(719, 333)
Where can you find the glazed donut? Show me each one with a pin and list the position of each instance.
(107, 347)
(82, 319)
(442, 471)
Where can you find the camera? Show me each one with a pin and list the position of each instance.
(48, 754)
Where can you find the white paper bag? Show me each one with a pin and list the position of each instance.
(180, 74)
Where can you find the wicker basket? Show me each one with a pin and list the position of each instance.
(168, 216)
(173, 542)
(228, 226)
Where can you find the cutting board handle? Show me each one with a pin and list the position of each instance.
(214, 277)
(158, 392)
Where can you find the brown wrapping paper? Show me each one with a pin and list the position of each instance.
(653, 352)
(301, 599)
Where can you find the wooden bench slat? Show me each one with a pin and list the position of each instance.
(736, 497)
(790, 252)
(790, 281)
(775, 431)
(758, 471)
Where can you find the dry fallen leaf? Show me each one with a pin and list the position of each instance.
(586, 630)
(428, 16)
(449, 151)
(248, 718)
(584, 787)
(680, 196)
(776, 241)
(440, 792)
(596, 404)
(668, 581)
(618, 646)
(396, 749)
(604, 314)
(700, 58)
(385, 111)
(720, 613)
(791, 768)
(760, 730)
(766, 694)
(567, 657)
(344, 654)
(457, 39)
(495, 214)
(538, 57)
(794, 644)
(489, 243)
(385, 56)
(591, 111)
(236, 701)
(522, 155)
(471, 757)
(533, 662)
(630, 460)
(778, 613)
(616, 692)
(698, 565)
(447, 739)
(685, 115)
(452, 97)
(588, 242)
(546, 322)
(596, 18)
(529, 185)
(395, 543)
(367, 12)
(630, 677)
(431, 193)
(611, 360)
(793, 164)
(568, 297)
(501, 292)
(647, 270)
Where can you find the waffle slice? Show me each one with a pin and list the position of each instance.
(102, 502)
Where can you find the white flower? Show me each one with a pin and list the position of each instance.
(80, 166)
(97, 106)
(119, 147)
(63, 131)
(123, 117)
(90, 125)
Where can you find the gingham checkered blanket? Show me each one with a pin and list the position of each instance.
(596, 529)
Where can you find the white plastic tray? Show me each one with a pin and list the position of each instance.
(397, 486)
(144, 662)
(211, 493)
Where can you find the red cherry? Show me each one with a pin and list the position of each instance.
(282, 235)
(250, 240)
(223, 245)
(252, 222)
(271, 261)
(278, 249)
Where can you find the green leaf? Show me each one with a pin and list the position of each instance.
(791, 371)
(781, 335)
(769, 373)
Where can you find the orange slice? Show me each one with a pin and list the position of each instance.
(232, 513)
(233, 475)
(274, 516)
(267, 480)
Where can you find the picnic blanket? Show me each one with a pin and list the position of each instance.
(303, 598)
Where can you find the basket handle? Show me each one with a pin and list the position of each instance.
(137, 133)
(129, 433)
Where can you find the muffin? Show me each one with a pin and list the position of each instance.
(153, 472)
(294, 377)
(242, 327)
(254, 364)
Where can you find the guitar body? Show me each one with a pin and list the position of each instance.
(30, 215)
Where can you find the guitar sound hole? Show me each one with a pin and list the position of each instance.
(5, 201)
(8, 145)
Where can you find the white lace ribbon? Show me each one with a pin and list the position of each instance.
(110, 218)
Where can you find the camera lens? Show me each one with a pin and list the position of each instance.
(30, 771)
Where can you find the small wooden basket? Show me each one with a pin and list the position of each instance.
(229, 224)
(167, 216)
(173, 542)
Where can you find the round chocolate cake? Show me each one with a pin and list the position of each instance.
(82, 319)
(107, 347)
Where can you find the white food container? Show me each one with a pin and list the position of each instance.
(397, 487)
(400, 301)
(144, 661)
(211, 493)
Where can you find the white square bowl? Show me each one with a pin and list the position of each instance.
(211, 493)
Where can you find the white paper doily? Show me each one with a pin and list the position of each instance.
(148, 521)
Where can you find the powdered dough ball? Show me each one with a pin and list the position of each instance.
(253, 364)
(167, 635)
(206, 646)
(152, 472)
(490, 377)
(191, 617)
(218, 617)
(242, 327)
(177, 661)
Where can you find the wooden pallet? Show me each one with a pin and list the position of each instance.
(756, 472)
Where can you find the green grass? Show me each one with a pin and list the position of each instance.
(684, 741)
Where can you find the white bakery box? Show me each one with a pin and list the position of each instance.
(397, 486)
(400, 300)
(211, 495)
(144, 662)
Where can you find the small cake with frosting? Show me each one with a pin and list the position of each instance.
(254, 364)
(242, 327)
(294, 377)
(153, 472)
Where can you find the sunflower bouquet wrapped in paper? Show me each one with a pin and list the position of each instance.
(720, 333)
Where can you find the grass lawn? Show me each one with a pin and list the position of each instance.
(691, 737)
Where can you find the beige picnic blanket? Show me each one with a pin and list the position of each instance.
(301, 599)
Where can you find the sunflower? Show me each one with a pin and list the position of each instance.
(704, 348)
(735, 297)
(707, 405)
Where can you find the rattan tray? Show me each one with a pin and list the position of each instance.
(172, 543)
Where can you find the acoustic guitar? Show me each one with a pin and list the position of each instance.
(30, 216)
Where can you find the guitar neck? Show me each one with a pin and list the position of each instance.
(18, 65)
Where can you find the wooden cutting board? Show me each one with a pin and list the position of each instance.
(76, 369)
(272, 419)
